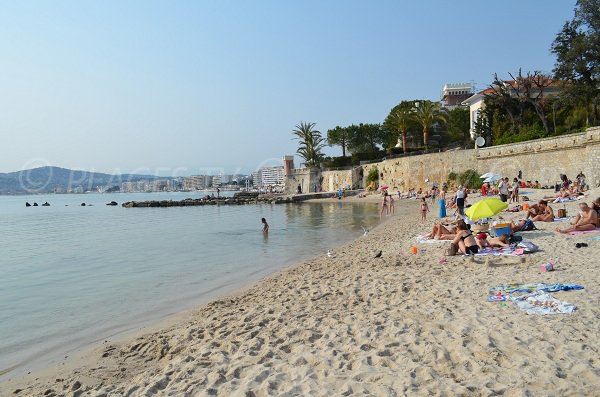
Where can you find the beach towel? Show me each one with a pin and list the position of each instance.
(564, 200)
(567, 218)
(542, 303)
(530, 287)
(427, 240)
(509, 251)
(577, 232)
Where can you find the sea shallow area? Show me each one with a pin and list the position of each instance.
(73, 275)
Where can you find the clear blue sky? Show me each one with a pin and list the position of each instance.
(181, 87)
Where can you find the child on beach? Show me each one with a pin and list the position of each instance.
(424, 210)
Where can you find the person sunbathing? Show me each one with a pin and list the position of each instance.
(586, 220)
(464, 239)
(484, 241)
(546, 214)
(441, 232)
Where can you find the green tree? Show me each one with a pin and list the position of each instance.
(365, 138)
(400, 119)
(311, 143)
(458, 124)
(577, 50)
(340, 136)
(426, 114)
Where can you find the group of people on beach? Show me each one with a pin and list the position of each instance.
(387, 204)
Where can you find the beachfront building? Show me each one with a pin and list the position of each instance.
(272, 176)
(197, 182)
(255, 177)
(454, 94)
(476, 102)
(220, 180)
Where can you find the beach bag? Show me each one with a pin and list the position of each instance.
(452, 250)
(528, 246)
(528, 226)
(515, 239)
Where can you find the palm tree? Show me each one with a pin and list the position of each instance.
(426, 114)
(311, 143)
(400, 119)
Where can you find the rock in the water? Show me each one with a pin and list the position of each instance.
(112, 203)
(27, 204)
(83, 204)
(35, 204)
(46, 204)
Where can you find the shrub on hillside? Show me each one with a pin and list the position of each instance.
(372, 180)
(470, 179)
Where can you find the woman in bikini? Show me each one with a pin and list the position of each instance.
(424, 210)
(384, 205)
(465, 240)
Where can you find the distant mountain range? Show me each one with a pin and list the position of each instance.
(56, 179)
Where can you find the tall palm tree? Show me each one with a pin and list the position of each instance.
(400, 119)
(311, 143)
(426, 114)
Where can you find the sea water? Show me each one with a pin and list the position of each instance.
(71, 275)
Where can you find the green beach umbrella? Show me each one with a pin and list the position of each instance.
(485, 208)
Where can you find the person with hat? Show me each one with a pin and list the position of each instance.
(484, 241)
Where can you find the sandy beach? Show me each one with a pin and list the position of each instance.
(353, 324)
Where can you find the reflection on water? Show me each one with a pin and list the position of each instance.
(67, 270)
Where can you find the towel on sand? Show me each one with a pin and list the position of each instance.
(509, 251)
(567, 218)
(565, 199)
(542, 303)
(530, 287)
(577, 232)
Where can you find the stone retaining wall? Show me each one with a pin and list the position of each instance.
(541, 159)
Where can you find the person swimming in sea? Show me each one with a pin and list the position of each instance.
(265, 228)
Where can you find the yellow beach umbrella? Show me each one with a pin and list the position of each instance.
(485, 208)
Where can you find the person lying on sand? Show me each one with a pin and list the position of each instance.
(464, 239)
(545, 214)
(587, 219)
(441, 232)
(484, 241)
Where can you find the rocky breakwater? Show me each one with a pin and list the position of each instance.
(238, 199)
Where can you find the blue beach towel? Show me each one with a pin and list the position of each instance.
(530, 287)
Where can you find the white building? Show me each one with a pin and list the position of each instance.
(454, 94)
(197, 182)
(271, 176)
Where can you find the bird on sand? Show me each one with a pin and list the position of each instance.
(379, 254)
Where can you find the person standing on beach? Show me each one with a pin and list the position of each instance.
(391, 209)
(460, 200)
(515, 191)
(384, 205)
(424, 210)
(265, 228)
(443, 204)
(503, 189)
